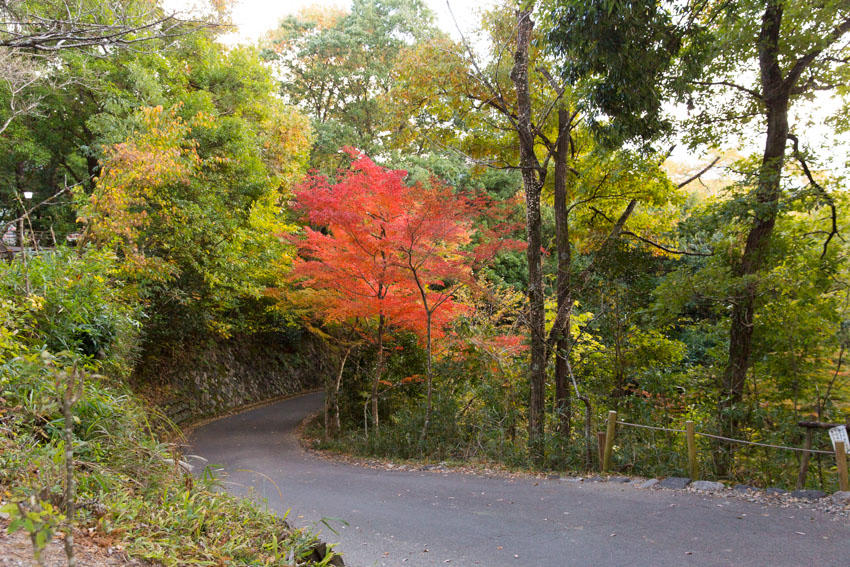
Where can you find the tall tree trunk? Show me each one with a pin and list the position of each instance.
(564, 295)
(776, 93)
(532, 180)
(379, 369)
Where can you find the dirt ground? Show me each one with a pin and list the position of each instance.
(92, 550)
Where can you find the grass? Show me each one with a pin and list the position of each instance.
(131, 488)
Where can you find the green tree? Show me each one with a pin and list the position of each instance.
(338, 67)
(192, 199)
(514, 115)
(48, 50)
(741, 63)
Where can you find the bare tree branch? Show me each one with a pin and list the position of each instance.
(19, 75)
(646, 240)
(40, 27)
(830, 201)
(48, 201)
(699, 174)
(479, 74)
(665, 248)
(731, 85)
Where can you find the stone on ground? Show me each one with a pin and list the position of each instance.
(674, 482)
(808, 494)
(707, 486)
(841, 497)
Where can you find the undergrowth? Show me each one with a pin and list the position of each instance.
(132, 488)
(479, 438)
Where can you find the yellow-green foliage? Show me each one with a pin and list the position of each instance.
(128, 485)
(193, 200)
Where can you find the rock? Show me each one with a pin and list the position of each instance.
(572, 479)
(596, 479)
(775, 491)
(649, 483)
(808, 494)
(554, 476)
(841, 497)
(636, 481)
(321, 551)
(674, 482)
(707, 486)
(743, 488)
(620, 479)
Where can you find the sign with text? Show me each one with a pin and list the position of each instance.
(839, 434)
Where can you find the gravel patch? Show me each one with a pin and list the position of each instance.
(838, 506)
(808, 494)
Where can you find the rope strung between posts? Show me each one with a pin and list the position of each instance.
(766, 444)
(651, 427)
(813, 451)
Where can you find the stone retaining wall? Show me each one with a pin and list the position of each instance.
(193, 381)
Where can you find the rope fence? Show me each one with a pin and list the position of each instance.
(721, 438)
(651, 427)
(606, 447)
(800, 449)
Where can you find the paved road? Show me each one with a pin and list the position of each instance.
(415, 518)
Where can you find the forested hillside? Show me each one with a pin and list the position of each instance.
(485, 240)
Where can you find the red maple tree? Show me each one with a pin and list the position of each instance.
(391, 254)
(446, 238)
(350, 254)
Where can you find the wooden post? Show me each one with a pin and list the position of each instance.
(600, 443)
(804, 463)
(693, 467)
(841, 462)
(609, 440)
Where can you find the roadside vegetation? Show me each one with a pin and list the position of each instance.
(140, 206)
(133, 487)
(491, 234)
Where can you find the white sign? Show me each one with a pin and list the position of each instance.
(839, 434)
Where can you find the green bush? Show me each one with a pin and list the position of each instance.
(129, 482)
(69, 300)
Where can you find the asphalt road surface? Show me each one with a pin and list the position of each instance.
(426, 518)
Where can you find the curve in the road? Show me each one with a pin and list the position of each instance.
(418, 518)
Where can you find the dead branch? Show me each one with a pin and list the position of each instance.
(826, 196)
(699, 174)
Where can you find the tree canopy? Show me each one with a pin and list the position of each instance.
(496, 233)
